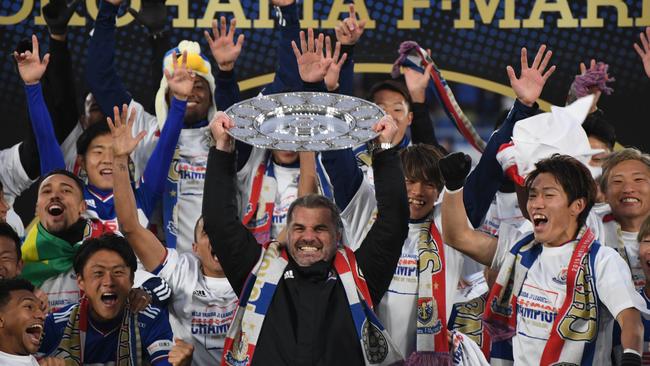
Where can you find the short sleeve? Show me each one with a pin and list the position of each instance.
(614, 283)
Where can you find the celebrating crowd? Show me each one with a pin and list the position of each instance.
(161, 240)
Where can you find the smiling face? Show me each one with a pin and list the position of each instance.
(21, 324)
(422, 196)
(106, 279)
(198, 103)
(395, 104)
(628, 193)
(60, 203)
(555, 220)
(312, 235)
(98, 162)
(10, 264)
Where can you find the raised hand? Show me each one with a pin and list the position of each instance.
(219, 127)
(224, 50)
(57, 14)
(181, 81)
(454, 169)
(123, 141)
(644, 50)
(152, 15)
(30, 66)
(387, 129)
(528, 87)
(417, 82)
(312, 65)
(336, 63)
(350, 30)
(139, 299)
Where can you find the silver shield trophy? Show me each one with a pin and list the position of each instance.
(304, 121)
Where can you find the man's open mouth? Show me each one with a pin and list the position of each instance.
(109, 298)
(105, 172)
(539, 220)
(34, 332)
(55, 209)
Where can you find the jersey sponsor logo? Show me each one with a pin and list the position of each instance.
(159, 346)
(561, 277)
(200, 293)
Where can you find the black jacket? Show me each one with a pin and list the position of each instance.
(308, 321)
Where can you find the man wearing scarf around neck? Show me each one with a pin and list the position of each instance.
(307, 303)
(102, 328)
(558, 290)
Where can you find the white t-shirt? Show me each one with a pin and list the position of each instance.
(61, 290)
(398, 308)
(503, 209)
(15, 360)
(16, 223)
(545, 288)
(287, 179)
(12, 174)
(202, 307)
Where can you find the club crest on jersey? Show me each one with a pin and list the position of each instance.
(561, 277)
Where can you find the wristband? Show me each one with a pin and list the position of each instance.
(631, 357)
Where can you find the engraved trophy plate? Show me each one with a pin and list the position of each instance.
(304, 121)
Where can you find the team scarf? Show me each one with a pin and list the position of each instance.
(45, 255)
(364, 158)
(258, 215)
(432, 344)
(415, 57)
(257, 294)
(575, 327)
(73, 342)
(613, 234)
(467, 317)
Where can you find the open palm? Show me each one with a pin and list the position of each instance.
(181, 81)
(644, 50)
(123, 140)
(312, 65)
(223, 47)
(528, 87)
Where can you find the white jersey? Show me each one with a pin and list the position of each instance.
(61, 290)
(503, 209)
(398, 308)
(12, 174)
(15, 360)
(16, 223)
(287, 179)
(544, 290)
(627, 246)
(202, 307)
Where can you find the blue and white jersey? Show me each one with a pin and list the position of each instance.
(100, 204)
(100, 347)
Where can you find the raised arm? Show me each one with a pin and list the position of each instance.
(348, 32)
(234, 246)
(144, 243)
(101, 75)
(225, 52)
(485, 180)
(155, 174)
(422, 130)
(644, 50)
(286, 74)
(31, 69)
(456, 231)
(380, 250)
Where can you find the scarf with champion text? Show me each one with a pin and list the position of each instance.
(575, 327)
(73, 342)
(432, 344)
(256, 296)
(258, 215)
(467, 318)
(45, 255)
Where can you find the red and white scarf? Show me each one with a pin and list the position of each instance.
(567, 343)
(256, 296)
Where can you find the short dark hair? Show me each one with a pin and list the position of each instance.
(12, 284)
(317, 201)
(8, 231)
(89, 134)
(420, 162)
(598, 126)
(573, 176)
(109, 241)
(391, 85)
(68, 174)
